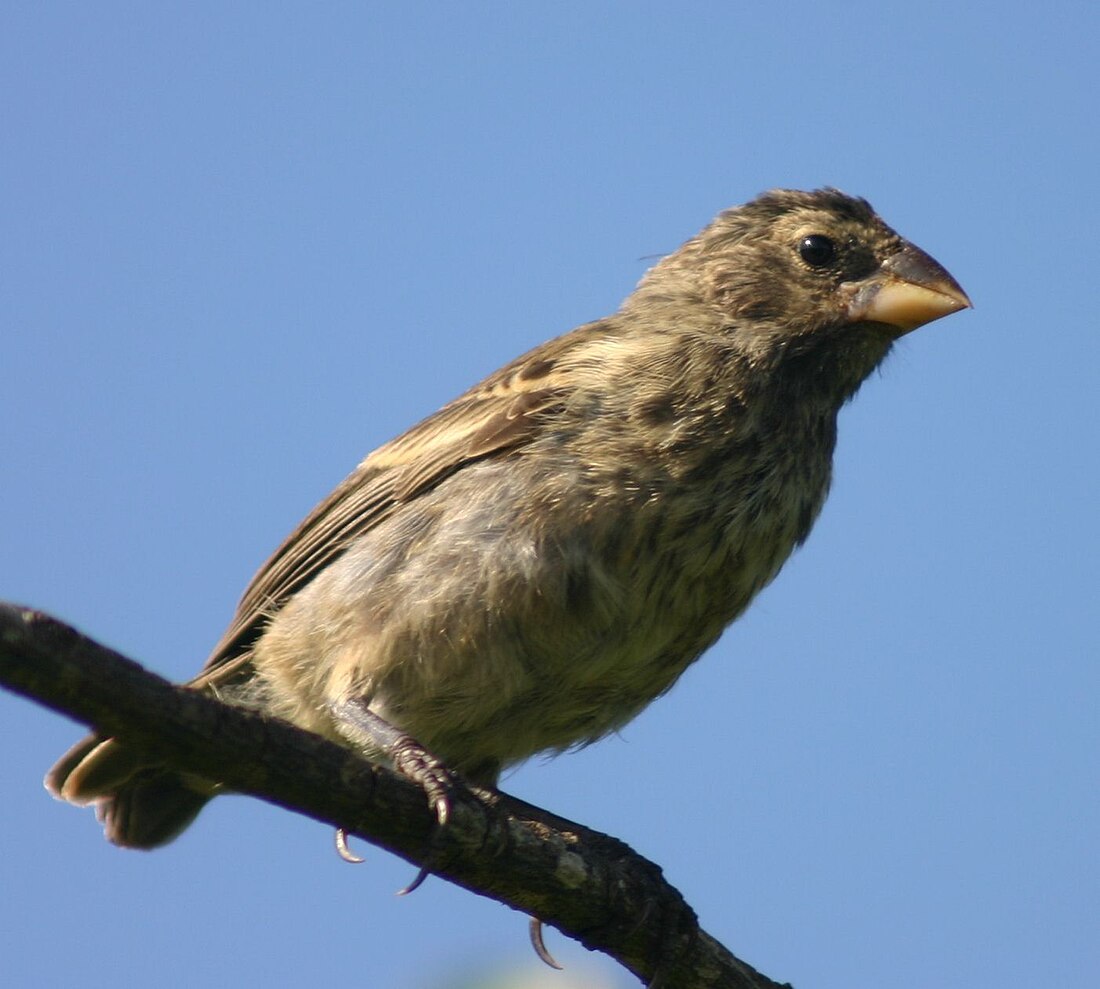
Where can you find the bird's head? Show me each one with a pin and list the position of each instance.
(811, 277)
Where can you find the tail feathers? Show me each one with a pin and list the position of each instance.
(93, 768)
(57, 778)
(140, 806)
(150, 811)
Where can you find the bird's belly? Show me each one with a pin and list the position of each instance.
(491, 637)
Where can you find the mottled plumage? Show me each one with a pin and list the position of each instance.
(529, 567)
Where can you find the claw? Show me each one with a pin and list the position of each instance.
(535, 930)
(416, 883)
(343, 850)
(419, 765)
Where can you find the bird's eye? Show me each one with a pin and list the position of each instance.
(817, 250)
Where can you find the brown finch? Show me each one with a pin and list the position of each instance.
(529, 567)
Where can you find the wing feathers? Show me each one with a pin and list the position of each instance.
(502, 413)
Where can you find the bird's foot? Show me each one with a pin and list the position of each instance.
(417, 764)
(408, 757)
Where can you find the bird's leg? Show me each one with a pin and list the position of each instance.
(407, 755)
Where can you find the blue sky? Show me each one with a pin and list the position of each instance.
(245, 243)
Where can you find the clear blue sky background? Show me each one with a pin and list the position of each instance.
(244, 243)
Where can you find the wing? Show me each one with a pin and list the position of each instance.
(502, 413)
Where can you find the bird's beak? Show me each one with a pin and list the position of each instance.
(909, 289)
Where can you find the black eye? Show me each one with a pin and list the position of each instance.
(817, 250)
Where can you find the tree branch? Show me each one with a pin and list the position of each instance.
(590, 886)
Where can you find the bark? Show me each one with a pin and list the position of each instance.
(588, 885)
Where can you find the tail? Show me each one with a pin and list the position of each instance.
(140, 806)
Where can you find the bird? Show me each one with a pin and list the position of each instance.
(529, 567)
